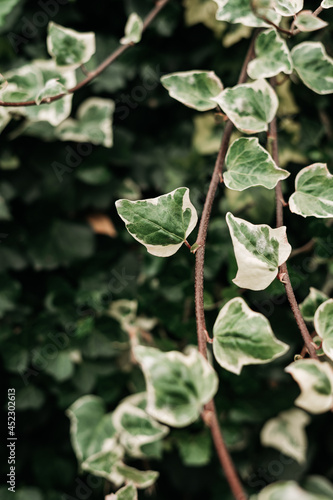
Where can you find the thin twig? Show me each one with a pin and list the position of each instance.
(283, 270)
(93, 74)
(209, 414)
(303, 249)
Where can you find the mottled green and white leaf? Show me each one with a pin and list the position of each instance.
(286, 433)
(315, 380)
(93, 123)
(327, 4)
(320, 486)
(272, 56)
(128, 492)
(68, 47)
(285, 490)
(52, 88)
(103, 463)
(161, 224)
(249, 164)
(240, 11)
(135, 427)
(323, 323)
(244, 337)
(178, 385)
(306, 21)
(133, 29)
(288, 7)
(311, 303)
(250, 106)
(91, 429)
(141, 479)
(314, 66)
(195, 89)
(259, 251)
(313, 192)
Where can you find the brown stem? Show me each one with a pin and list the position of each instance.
(303, 249)
(209, 414)
(283, 270)
(93, 74)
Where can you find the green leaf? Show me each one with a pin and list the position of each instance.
(61, 367)
(240, 11)
(207, 134)
(103, 463)
(196, 89)
(244, 337)
(323, 323)
(259, 251)
(68, 47)
(286, 490)
(311, 303)
(286, 433)
(195, 449)
(52, 87)
(250, 106)
(91, 430)
(5, 8)
(178, 385)
(327, 4)
(288, 7)
(93, 123)
(249, 164)
(141, 479)
(320, 486)
(128, 492)
(313, 192)
(306, 21)
(161, 224)
(314, 66)
(135, 427)
(272, 56)
(315, 380)
(133, 30)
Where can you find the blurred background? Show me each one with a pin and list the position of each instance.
(66, 258)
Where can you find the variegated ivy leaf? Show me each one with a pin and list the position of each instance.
(327, 4)
(314, 66)
(178, 385)
(135, 426)
(285, 490)
(272, 56)
(195, 89)
(286, 433)
(52, 87)
(68, 47)
(103, 463)
(249, 164)
(91, 429)
(306, 21)
(320, 486)
(244, 337)
(311, 303)
(5, 8)
(288, 7)
(315, 380)
(313, 192)
(133, 30)
(161, 224)
(250, 106)
(128, 492)
(140, 478)
(323, 323)
(93, 123)
(240, 11)
(259, 251)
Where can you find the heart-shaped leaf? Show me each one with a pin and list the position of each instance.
(161, 224)
(249, 164)
(286, 433)
(311, 303)
(272, 56)
(306, 21)
(323, 323)
(244, 337)
(51, 88)
(314, 66)
(68, 47)
(250, 106)
(315, 380)
(313, 192)
(195, 89)
(241, 11)
(288, 7)
(259, 251)
(178, 385)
